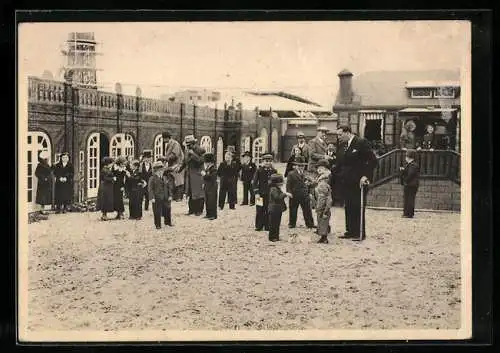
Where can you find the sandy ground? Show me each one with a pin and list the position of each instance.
(200, 274)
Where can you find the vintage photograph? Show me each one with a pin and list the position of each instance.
(211, 181)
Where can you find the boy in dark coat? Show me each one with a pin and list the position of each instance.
(248, 169)
(210, 185)
(161, 190)
(135, 185)
(260, 184)
(228, 174)
(276, 206)
(63, 172)
(146, 170)
(105, 193)
(297, 186)
(409, 177)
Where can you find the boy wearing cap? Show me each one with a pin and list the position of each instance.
(228, 174)
(296, 185)
(248, 169)
(276, 206)
(323, 194)
(135, 185)
(260, 184)
(209, 174)
(161, 190)
(409, 178)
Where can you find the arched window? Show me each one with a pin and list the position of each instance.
(220, 150)
(37, 142)
(122, 145)
(81, 178)
(93, 164)
(257, 150)
(206, 143)
(158, 147)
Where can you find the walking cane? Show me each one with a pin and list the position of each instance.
(361, 218)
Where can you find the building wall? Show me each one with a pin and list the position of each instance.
(432, 195)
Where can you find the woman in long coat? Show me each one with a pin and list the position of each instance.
(63, 172)
(120, 172)
(43, 172)
(105, 193)
(193, 163)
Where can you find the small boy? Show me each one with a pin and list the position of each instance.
(228, 174)
(296, 184)
(248, 169)
(276, 206)
(409, 177)
(209, 174)
(160, 189)
(323, 194)
(260, 184)
(135, 185)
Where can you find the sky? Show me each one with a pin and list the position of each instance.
(303, 58)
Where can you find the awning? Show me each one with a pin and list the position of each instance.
(363, 111)
(427, 110)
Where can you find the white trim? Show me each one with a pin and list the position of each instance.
(34, 149)
(157, 147)
(206, 143)
(371, 111)
(432, 84)
(437, 95)
(93, 164)
(426, 110)
(258, 150)
(421, 97)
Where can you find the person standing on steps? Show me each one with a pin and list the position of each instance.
(260, 184)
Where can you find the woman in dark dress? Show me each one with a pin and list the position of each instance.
(105, 193)
(43, 172)
(63, 172)
(135, 185)
(120, 172)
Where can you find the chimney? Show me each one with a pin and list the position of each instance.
(345, 94)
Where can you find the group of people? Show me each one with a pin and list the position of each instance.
(315, 175)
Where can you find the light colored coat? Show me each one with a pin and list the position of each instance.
(317, 151)
(173, 148)
(323, 195)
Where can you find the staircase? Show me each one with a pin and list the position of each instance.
(437, 165)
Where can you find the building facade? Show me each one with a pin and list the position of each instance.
(379, 106)
(91, 124)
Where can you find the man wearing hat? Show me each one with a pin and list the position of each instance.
(297, 186)
(409, 178)
(354, 170)
(302, 146)
(193, 164)
(318, 149)
(146, 170)
(260, 184)
(248, 169)
(209, 174)
(172, 151)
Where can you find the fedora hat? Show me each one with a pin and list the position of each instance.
(189, 139)
(299, 161)
(157, 165)
(276, 178)
(323, 163)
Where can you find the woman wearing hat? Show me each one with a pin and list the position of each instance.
(43, 172)
(120, 172)
(105, 193)
(63, 172)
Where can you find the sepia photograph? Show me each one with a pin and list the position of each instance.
(229, 181)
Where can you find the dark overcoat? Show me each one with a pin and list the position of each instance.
(105, 193)
(63, 189)
(210, 186)
(193, 164)
(43, 172)
(117, 190)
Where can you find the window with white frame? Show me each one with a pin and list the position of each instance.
(421, 93)
(158, 147)
(122, 145)
(444, 92)
(37, 142)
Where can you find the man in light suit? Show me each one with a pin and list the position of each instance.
(302, 145)
(172, 151)
(318, 149)
(354, 167)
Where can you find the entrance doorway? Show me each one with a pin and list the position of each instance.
(373, 130)
(97, 149)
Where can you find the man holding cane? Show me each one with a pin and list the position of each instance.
(354, 171)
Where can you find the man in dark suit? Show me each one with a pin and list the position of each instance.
(409, 177)
(297, 186)
(145, 171)
(354, 167)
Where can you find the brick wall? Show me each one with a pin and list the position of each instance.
(432, 194)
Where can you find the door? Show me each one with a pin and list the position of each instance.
(37, 142)
(93, 164)
(158, 147)
(206, 143)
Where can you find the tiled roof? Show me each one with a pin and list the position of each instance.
(388, 88)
